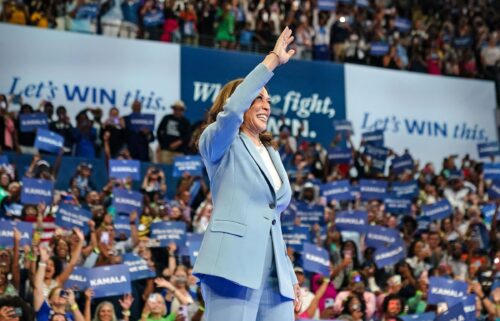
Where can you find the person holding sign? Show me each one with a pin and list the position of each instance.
(250, 189)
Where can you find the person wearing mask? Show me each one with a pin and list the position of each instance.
(174, 134)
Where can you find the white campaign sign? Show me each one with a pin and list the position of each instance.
(78, 71)
(433, 117)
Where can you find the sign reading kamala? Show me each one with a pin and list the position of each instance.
(438, 210)
(374, 138)
(48, 141)
(428, 316)
(125, 201)
(167, 232)
(420, 112)
(398, 205)
(337, 190)
(492, 171)
(121, 168)
(488, 149)
(469, 303)
(35, 191)
(405, 189)
(190, 164)
(32, 122)
(373, 189)
(455, 313)
(121, 224)
(494, 191)
(399, 164)
(295, 236)
(7, 233)
(446, 290)
(139, 121)
(137, 267)
(315, 259)
(69, 216)
(310, 214)
(77, 280)
(109, 82)
(308, 95)
(339, 155)
(389, 255)
(377, 236)
(109, 280)
(351, 221)
(342, 127)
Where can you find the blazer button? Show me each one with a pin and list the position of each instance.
(272, 206)
(273, 222)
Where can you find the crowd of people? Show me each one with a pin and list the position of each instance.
(455, 37)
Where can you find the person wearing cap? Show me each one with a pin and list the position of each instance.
(243, 265)
(174, 134)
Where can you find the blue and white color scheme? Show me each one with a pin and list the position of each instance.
(405, 189)
(32, 122)
(35, 191)
(315, 259)
(446, 290)
(398, 205)
(187, 164)
(400, 164)
(390, 255)
(343, 127)
(295, 236)
(70, 216)
(374, 138)
(122, 169)
(337, 190)
(310, 214)
(372, 189)
(125, 201)
(339, 155)
(7, 233)
(139, 121)
(469, 303)
(492, 171)
(381, 237)
(48, 141)
(379, 48)
(489, 149)
(437, 211)
(137, 267)
(78, 279)
(109, 280)
(121, 224)
(428, 316)
(169, 231)
(454, 313)
(351, 221)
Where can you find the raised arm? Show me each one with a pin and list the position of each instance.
(38, 296)
(75, 257)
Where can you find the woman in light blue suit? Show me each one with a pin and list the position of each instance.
(243, 265)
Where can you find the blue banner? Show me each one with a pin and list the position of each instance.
(125, 201)
(289, 214)
(153, 18)
(492, 171)
(402, 24)
(78, 280)
(379, 48)
(194, 248)
(375, 138)
(488, 211)
(70, 216)
(381, 237)
(35, 191)
(427, 316)
(437, 211)
(315, 259)
(494, 191)
(310, 214)
(362, 3)
(32, 122)
(339, 155)
(87, 11)
(446, 290)
(398, 205)
(462, 42)
(190, 164)
(4, 160)
(109, 280)
(488, 149)
(408, 189)
(121, 169)
(343, 127)
(400, 164)
(356, 221)
(337, 190)
(454, 313)
(137, 267)
(169, 231)
(7, 233)
(48, 141)
(121, 224)
(376, 152)
(390, 255)
(469, 303)
(377, 164)
(139, 121)
(327, 5)
(372, 189)
(295, 236)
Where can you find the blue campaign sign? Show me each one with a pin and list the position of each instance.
(339, 155)
(70, 216)
(488, 211)
(400, 164)
(121, 224)
(356, 221)
(378, 164)
(488, 149)
(35, 191)
(372, 189)
(32, 122)
(7, 233)
(191, 164)
(87, 11)
(379, 48)
(402, 24)
(315, 259)
(139, 121)
(455, 313)
(169, 231)
(337, 190)
(289, 214)
(427, 316)
(295, 236)
(78, 279)
(423, 223)
(121, 168)
(375, 138)
(446, 290)
(462, 42)
(379, 237)
(437, 211)
(307, 104)
(469, 303)
(362, 3)
(398, 205)
(494, 191)
(4, 160)
(137, 267)
(48, 141)
(407, 189)
(109, 280)
(194, 237)
(389, 255)
(194, 248)
(492, 171)
(376, 152)
(327, 5)
(310, 214)
(343, 127)
(153, 18)
(125, 201)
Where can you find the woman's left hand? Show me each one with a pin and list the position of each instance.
(297, 303)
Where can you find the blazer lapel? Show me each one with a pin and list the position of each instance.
(278, 164)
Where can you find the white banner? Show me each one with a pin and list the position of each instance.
(433, 117)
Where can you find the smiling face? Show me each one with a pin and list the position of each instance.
(256, 117)
(106, 312)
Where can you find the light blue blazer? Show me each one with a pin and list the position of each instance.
(246, 206)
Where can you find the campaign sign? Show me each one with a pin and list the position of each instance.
(194, 248)
(194, 237)
(35, 191)
(428, 316)
(402, 163)
(488, 149)
(372, 189)
(389, 255)
(445, 290)
(327, 5)
(494, 191)
(351, 221)
(376, 152)
(339, 155)
(295, 236)
(397, 205)
(190, 164)
(121, 224)
(337, 190)
(488, 211)
(455, 313)
(315, 259)
(109, 280)
(153, 18)
(48, 141)
(342, 127)
(438, 210)
(310, 214)
(140, 121)
(289, 214)
(7, 233)
(121, 169)
(31, 122)
(4, 160)
(375, 138)
(137, 267)
(492, 171)
(377, 236)
(125, 201)
(469, 303)
(378, 164)
(405, 189)
(77, 280)
(169, 231)
(402, 24)
(70, 216)
(423, 223)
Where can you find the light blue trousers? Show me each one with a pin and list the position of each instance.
(225, 300)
